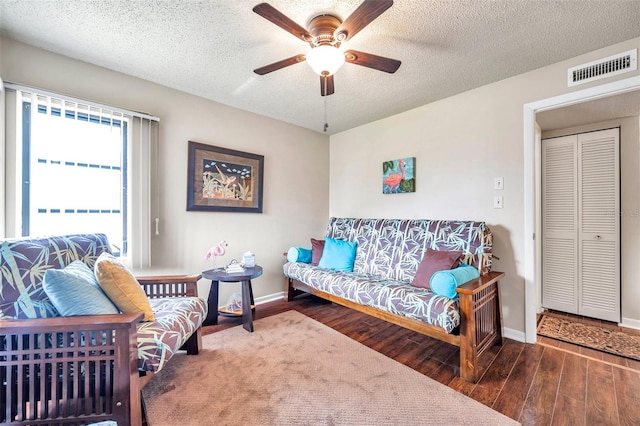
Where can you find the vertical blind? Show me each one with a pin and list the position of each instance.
(141, 202)
(2, 160)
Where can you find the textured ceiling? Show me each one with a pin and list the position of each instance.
(210, 48)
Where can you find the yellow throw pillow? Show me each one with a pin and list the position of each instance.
(122, 287)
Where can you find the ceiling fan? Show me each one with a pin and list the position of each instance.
(325, 34)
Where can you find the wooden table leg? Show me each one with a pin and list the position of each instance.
(247, 299)
(212, 315)
(253, 303)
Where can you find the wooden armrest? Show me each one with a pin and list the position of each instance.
(480, 283)
(168, 279)
(82, 322)
(170, 285)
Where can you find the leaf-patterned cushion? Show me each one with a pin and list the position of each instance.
(379, 292)
(23, 263)
(177, 318)
(393, 248)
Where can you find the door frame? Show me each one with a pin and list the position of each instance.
(532, 172)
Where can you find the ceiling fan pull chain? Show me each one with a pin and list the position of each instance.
(326, 123)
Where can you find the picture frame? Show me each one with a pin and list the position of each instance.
(399, 176)
(224, 180)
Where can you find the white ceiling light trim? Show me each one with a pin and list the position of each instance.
(325, 60)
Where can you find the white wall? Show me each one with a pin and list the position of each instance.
(296, 165)
(2, 151)
(2, 146)
(460, 143)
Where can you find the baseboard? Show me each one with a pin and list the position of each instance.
(518, 335)
(269, 298)
(630, 323)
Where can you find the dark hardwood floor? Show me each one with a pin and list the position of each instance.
(542, 384)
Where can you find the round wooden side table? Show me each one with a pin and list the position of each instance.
(248, 306)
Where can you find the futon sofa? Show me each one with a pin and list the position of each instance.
(388, 253)
(83, 369)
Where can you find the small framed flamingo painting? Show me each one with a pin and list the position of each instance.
(221, 179)
(399, 176)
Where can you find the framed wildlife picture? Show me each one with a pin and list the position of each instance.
(221, 179)
(398, 176)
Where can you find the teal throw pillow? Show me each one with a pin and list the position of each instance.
(74, 290)
(444, 283)
(338, 255)
(299, 254)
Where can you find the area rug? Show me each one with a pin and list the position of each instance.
(591, 336)
(293, 370)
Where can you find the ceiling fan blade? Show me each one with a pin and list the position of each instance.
(326, 85)
(272, 14)
(376, 62)
(361, 17)
(280, 64)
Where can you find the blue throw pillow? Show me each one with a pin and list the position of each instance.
(74, 290)
(299, 254)
(444, 283)
(338, 255)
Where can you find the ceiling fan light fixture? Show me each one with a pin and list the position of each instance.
(325, 60)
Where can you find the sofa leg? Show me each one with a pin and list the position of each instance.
(144, 411)
(291, 292)
(468, 362)
(194, 344)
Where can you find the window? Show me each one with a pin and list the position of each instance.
(74, 166)
(74, 172)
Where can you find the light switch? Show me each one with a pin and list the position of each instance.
(497, 202)
(498, 183)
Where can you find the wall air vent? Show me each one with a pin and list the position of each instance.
(602, 68)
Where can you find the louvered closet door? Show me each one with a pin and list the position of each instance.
(581, 224)
(560, 224)
(599, 229)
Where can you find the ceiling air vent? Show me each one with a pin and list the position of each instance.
(602, 68)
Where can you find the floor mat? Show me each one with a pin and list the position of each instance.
(591, 336)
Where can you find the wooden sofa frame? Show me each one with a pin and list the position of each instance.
(40, 358)
(480, 318)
